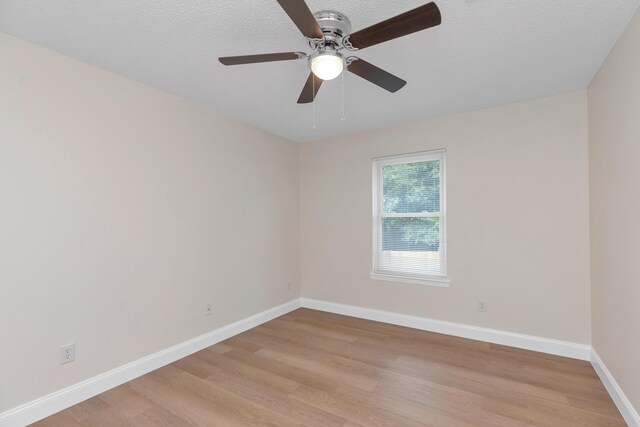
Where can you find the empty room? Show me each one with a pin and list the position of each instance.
(319, 213)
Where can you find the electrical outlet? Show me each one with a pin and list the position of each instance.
(208, 311)
(289, 287)
(482, 305)
(67, 353)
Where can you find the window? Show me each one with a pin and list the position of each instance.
(409, 218)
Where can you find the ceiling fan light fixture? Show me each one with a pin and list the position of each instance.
(327, 64)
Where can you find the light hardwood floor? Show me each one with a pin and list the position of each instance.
(319, 369)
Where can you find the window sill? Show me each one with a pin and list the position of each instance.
(441, 282)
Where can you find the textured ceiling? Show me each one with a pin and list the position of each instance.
(485, 53)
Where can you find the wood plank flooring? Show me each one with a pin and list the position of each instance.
(318, 369)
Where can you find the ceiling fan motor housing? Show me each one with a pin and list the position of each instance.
(335, 26)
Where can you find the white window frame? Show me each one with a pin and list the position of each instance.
(378, 213)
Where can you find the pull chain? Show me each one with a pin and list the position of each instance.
(313, 101)
(342, 118)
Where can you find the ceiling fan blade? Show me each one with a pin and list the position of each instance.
(300, 14)
(310, 89)
(266, 57)
(376, 75)
(418, 19)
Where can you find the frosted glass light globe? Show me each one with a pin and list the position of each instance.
(327, 66)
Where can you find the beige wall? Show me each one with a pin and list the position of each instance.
(614, 164)
(123, 212)
(517, 192)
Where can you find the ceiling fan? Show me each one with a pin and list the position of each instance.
(329, 32)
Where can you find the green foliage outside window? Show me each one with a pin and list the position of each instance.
(411, 188)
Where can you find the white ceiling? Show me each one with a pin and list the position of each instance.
(485, 53)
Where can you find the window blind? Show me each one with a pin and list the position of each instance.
(409, 216)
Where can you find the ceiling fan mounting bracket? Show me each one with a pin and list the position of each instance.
(316, 44)
(347, 44)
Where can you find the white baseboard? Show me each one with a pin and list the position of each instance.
(528, 342)
(625, 407)
(43, 407)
